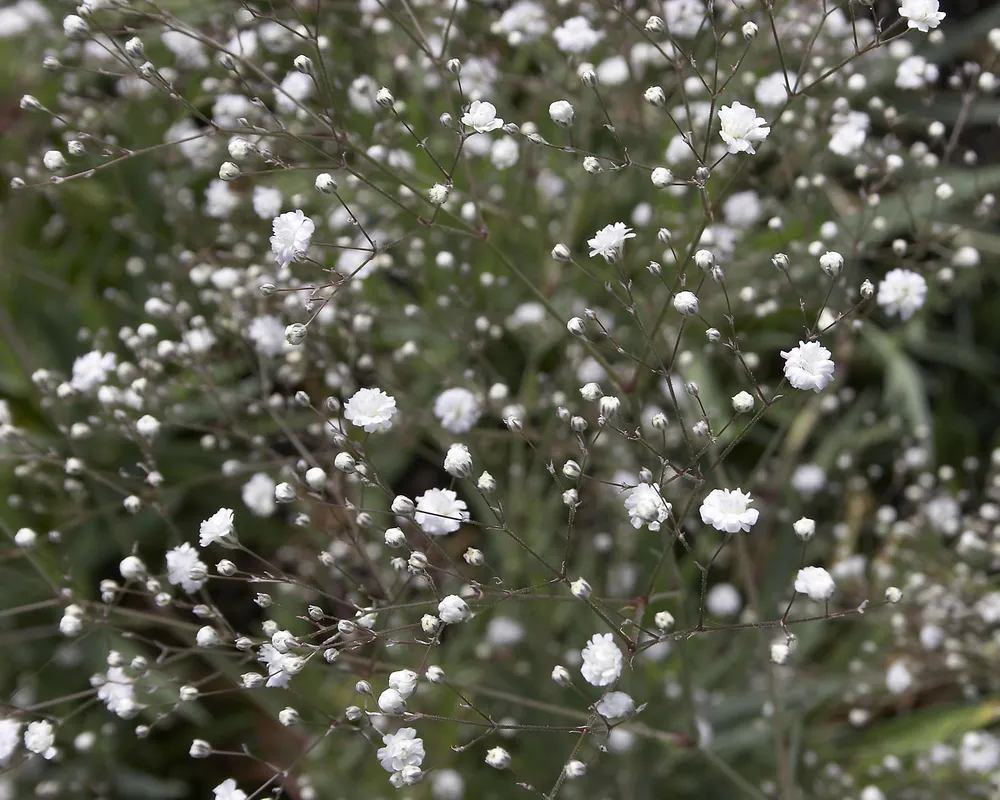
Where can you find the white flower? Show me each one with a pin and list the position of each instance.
(453, 610)
(402, 749)
(804, 528)
(686, 303)
(268, 335)
(280, 666)
(498, 758)
(616, 705)
(439, 511)
(602, 660)
(504, 152)
(227, 790)
(646, 506)
(921, 14)
(979, 752)
(218, 528)
(683, 17)
(808, 366)
(39, 736)
(815, 582)
(902, 292)
(561, 113)
(915, 72)
(267, 201)
(741, 127)
(458, 461)
(609, 241)
(391, 702)
(576, 36)
(403, 681)
(728, 510)
(898, 678)
(10, 738)
(180, 561)
(742, 402)
(258, 495)
(371, 409)
(118, 693)
(457, 409)
(771, 90)
(482, 117)
(723, 600)
(91, 370)
(293, 231)
(296, 88)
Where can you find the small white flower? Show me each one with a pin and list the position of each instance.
(391, 702)
(39, 736)
(602, 660)
(457, 409)
(609, 241)
(902, 292)
(218, 528)
(10, 738)
(371, 409)
(921, 14)
(498, 758)
(453, 609)
(686, 303)
(898, 678)
(646, 506)
(576, 36)
(482, 117)
(742, 402)
(458, 461)
(616, 705)
(816, 583)
(804, 528)
(92, 369)
(403, 681)
(808, 366)
(402, 749)
(293, 232)
(181, 561)
(562, 113)
(258, 495)
(228, 790)
(729, 510)
(723, 600)
(741, 128)
(439, 511)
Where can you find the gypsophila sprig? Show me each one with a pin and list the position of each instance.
(469, 340)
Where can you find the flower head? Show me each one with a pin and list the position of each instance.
(616, 705)
(728, 510)
(439, 511)
(921, 14)
(741, 127)
(218, 528)
(91, 370)
(902, 292)
(816, 583)
(482, 117)
(371, 409)
(10, 738)
(457, 409)
(808, 366)
(180, 562)
(293, 231)
(609, 241)
(576, 36)
(453, 610)
(402, 749)
(646, 506)
(602, 660)
(228, 790)
(39, 736)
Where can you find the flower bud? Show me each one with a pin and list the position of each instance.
(561, 252)
(686, 303)
(704, 259)
(580, 589)
(229, 171)
(654, 96)
(577, 326)
(661, 177)
(743, 402)
(831, 263)
(804, 528)
(325, 183)
(384, 98)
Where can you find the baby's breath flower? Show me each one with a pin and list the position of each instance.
(370, 409)
(742, 128)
